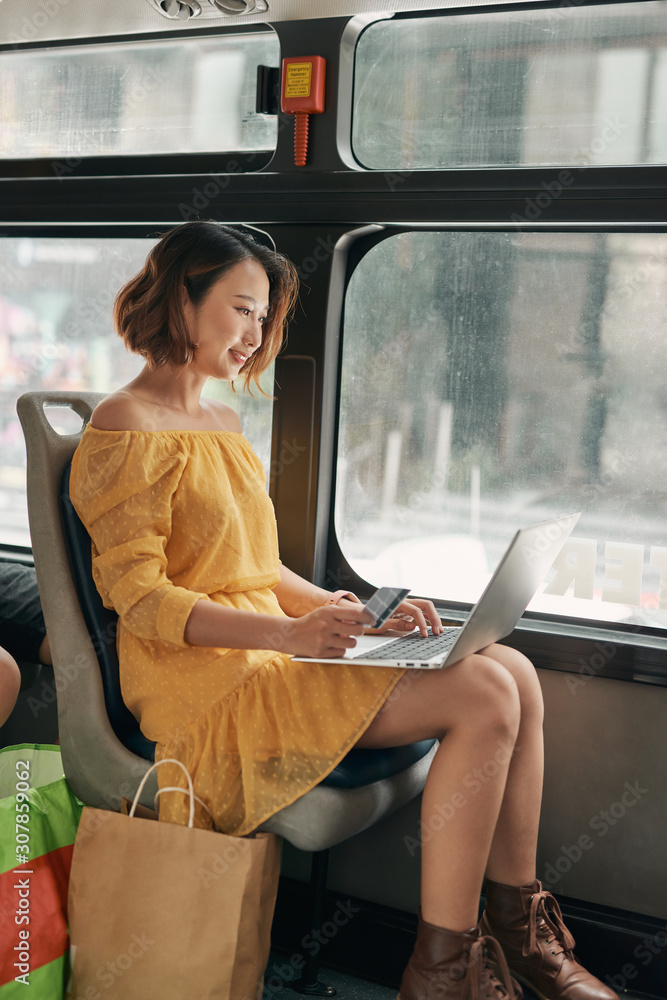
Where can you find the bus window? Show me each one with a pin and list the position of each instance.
(509, 376)
(189, 96)
(565, 85)
(56, 332)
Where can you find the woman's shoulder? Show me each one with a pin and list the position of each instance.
(121, 411)
(124, 411)
(221, 416)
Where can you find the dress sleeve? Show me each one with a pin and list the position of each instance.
(122, 486)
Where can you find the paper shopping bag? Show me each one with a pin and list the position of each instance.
(165, 912)
(39, 815)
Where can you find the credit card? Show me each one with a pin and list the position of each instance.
(384, 602)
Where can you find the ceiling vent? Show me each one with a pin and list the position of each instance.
(177, 10)
(239, 6)
(185, 10)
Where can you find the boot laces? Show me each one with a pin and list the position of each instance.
(545, 920)
(484, 983)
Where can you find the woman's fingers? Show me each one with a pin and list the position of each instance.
(352, 621)
(397, 623)
(328, 631)
(422, 613)
(429, 609)
(415, 612)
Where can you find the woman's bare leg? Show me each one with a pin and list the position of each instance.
(514, 845)
(10, 684)
(474, 708)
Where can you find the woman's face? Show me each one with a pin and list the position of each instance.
(227, 327)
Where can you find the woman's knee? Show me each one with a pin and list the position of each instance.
(10, 683)
(492, 696)
(525, 677)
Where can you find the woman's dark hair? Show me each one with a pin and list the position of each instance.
(148, 311)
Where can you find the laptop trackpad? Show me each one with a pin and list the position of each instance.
(366, 644)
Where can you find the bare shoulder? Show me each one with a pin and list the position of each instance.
(120, 411)
(125, 411)
(222, 416)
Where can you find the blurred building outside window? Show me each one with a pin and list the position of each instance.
(190, 96)
(570, 85)
(56, 332)
(508, 378)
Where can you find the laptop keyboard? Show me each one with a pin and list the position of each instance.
(416, 646)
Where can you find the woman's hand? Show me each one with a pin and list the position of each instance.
(325, 632)
(408, 614)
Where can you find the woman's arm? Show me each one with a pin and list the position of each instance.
(313, 627)
(326, 631)
(296, 596)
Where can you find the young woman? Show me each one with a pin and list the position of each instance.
(185, 549)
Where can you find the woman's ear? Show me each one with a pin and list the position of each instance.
(189, 310)
(187, 305)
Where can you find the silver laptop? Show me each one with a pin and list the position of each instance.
(521, 570)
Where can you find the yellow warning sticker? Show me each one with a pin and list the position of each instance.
(297, 82)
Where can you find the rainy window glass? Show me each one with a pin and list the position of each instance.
(508, 378)
(56, 332)
(159, 97)
(567, 85)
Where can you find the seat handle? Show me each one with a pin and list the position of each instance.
(83, 403)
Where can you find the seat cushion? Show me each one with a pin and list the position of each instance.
(364, 766)
(326, 816)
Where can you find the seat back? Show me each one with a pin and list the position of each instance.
(102, 626)
(105, 754)
(98, 767)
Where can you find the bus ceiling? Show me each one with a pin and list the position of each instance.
(69, 20)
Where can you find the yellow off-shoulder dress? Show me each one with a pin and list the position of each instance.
(182, 516)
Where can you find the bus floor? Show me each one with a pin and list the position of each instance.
(279, 975)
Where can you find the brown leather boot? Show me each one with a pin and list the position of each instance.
(449, 966)
(527, 922)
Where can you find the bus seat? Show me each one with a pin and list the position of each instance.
(99, 767)
(358, 768)
(102, 625)
(104, 753)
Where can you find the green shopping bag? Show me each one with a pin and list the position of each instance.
(39, 815)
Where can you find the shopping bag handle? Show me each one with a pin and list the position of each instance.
(190, 790)
(177, 788)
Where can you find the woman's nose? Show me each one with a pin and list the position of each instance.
(253, 335)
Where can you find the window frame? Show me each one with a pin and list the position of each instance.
(138, 164)
(140, 231)
(351, 40)
(298, 207)
(639, 650)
